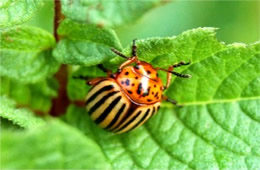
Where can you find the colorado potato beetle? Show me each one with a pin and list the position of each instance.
(125, 100)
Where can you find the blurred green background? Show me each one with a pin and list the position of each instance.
(238, 21)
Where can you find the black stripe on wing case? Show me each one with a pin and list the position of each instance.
(105, 88)
(129, 112)
(129, 122)
(107, 110)
(140, 121)
(120, 111)
(100, 102)
(153, 110)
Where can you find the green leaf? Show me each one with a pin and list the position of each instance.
(106, 13)
(165, 51)
(55, 146)
(22, 117)
(36, 96)
(14, 12)
(26, 54)
(85, 44)
(218, 126)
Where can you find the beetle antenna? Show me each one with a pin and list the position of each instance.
(182, 63)
(80, 77)
(181, 75)
(119, 53)
(134, 47)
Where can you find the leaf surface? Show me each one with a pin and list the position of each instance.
(85, 45)
(36, 96)
(106, 13)
(21, 117)
(13, 12)
(26, 54)
(55, 146)
(218, 126)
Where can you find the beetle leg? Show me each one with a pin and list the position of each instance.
(170, 100)
(89, 81)
(170, 72)
(131, 60)
(94, 81)
(101, 67)
(128, 62)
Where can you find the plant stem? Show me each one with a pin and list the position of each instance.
(59, 104)
(57, 18)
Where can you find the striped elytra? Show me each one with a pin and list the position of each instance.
(110, 108)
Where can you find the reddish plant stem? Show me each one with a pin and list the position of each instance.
(59, 104)
(58, 17)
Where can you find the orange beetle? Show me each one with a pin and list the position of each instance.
(124, 100)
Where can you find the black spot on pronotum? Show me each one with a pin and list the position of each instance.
(146, 93)
(136, 78)
(156, 94)
(148, 71)
(133, 84)
(139, 88)
(127, 82)
(129, 91)
(154, 86)
(126, 73)
(149, 100)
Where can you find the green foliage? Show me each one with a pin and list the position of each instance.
(36, 96)
(217, 127)
(85, 44)
(22, 117)
(26, 54)
(106, 13)
(54, 145)
(14, 12)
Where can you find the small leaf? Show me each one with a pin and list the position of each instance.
(55, 146)
(106, 13)
(25, 54)
(85, 44)
(36, 96)
(14, 12)
(22, 117)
